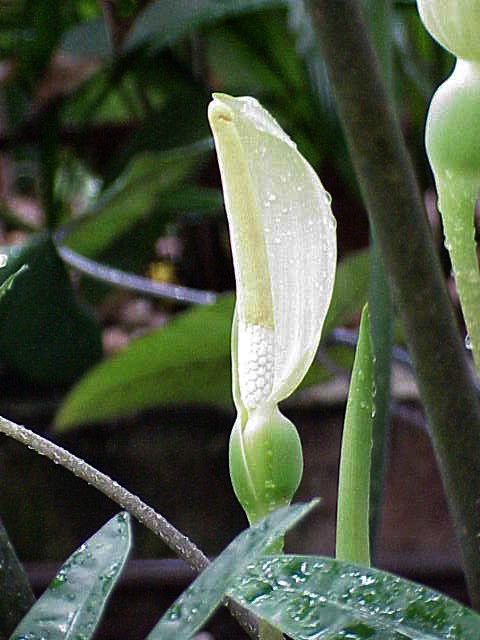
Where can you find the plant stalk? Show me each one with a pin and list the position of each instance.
(394, 203)
(154, 521)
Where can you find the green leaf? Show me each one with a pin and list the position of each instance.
(44, 334)
(193, 608)
(133, 195)
(17, 596)
(163, 22)
(71, 607)
(313, 597)
(352, 543)
(187, 360)
(8, 283)
(350, 291)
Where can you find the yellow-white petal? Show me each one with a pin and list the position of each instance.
(283, 237)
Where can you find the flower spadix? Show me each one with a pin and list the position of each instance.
(283, 239)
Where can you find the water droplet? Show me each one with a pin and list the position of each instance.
(3, 260)
(468, 342)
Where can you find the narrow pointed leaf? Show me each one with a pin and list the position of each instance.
(72, 605)
(310, 597)
(352, 543)
(193, 608)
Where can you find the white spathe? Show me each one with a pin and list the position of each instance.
(283, 237)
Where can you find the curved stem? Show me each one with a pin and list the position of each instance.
(173, 538)
(179, 543)
(394, 203)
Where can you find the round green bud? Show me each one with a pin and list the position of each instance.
(266, 462)
(451, 133)
(455, 24)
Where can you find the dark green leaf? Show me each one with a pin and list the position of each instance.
(71, 607)
(193, 608)
(163, 22)
(16, 594)
(312, 597)
(44, 334)
(132, 196)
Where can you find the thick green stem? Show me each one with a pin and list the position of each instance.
(379, 15)
(394, 203)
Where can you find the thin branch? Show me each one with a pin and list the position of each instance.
(179, 543)
(394, 203)
(138, 284)
(173, 538)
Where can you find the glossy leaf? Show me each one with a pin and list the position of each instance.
(132, 196)
(352, 540)
(193, 608)
(44, 334)
(313, 597)
(71, 607)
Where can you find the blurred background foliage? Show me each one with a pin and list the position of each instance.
(110, 193)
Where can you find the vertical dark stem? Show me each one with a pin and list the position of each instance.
(16, 596)
(393, 200)
(380, 303)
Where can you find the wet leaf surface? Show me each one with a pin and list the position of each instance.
(313, 597)
(72, 605)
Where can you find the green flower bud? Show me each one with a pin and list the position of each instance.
(455, 24)
(266, 462)
(452, 129)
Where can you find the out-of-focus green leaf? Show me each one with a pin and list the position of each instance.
(193, 608)
(313, 597)
(178, 123)
(71, 607)
(237, 66)
(44, 334)
(163, 22)
(187, 360)
(351, 289)
(132, 196)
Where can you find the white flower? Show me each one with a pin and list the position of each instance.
(283, 238)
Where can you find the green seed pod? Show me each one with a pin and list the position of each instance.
(266, 462)
(454, 23)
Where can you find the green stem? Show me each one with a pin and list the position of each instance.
(379, 15)
(394, 203)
